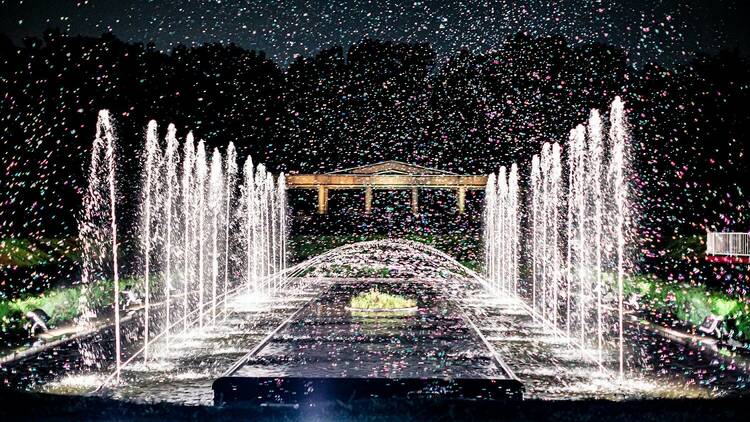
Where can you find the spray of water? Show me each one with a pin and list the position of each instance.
(171, 159)
(150, 206)
(595, 207)
(200, 189)
(185, 234)
(230, 169)
(618, 138)
(97, 228)
(577, 263)
(547, 290)
(215, 201)
(188, 168)
(502, 231)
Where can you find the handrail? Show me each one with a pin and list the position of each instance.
(728, 243)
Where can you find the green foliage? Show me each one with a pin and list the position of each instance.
(16, 252)
(347, 270)
(690, 303)
(724, 306)
(375, 299)
(743, 324)
(305, 247)
(686, 247)
(21, 253)
(472, 265)
(11, 321)
(61, 305)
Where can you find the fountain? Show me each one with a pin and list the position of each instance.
(171, 163)
(188, 164)
(98, 233)
(209, 229)
(502, 231)
(216, 186)
(188, 249)
(618, 136)
(546, 259)
(578, 296)
(151, 187)
(231, 180)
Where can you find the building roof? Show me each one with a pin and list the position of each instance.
(392, 167)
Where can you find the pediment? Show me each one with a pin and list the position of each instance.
(392, 167)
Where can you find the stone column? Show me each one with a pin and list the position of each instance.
(461, 199)
(368, 200)
(414, 201)
(322, 199)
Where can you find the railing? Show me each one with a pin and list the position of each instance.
(729, 244)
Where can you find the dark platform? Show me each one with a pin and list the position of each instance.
(295, 390)
(24, 406)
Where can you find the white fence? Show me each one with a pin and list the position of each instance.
(725, 243)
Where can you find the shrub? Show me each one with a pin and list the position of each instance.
(692, 303)
(375, 299)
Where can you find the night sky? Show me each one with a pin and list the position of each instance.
(651, 30)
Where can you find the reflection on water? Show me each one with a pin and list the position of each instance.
(326, 340)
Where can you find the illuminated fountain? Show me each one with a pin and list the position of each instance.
(577, 263)
(208, 230)
(194, 233)
(502, 231)
(98, 232)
